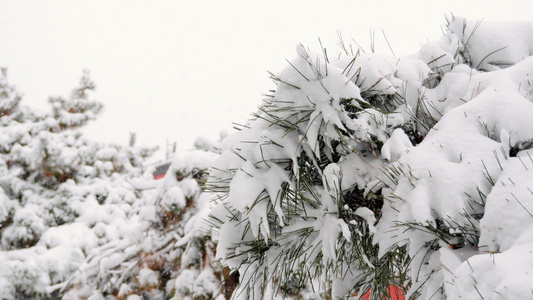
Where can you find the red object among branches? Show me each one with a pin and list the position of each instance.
(395, 294)
(161, 170)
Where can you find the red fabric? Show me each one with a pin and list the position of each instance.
(395, 292)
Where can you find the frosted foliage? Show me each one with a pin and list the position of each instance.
(491, 45)
(6, 205)
(397, 145)
(505, 240)
(192, 161)
(370, 163)
(63, 199)
(78, 109)
(462, 196)
(9, 97)
(27, 227)
(192, 256)
(173, 200)
(150, 239)
(499, 230)
(185, 282)
(317, 112)
(148, 278)
(7, 289)
(358, 172)
(206, 284)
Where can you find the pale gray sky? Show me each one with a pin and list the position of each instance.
(178, 69)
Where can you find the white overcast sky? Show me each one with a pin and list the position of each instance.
(175, 70)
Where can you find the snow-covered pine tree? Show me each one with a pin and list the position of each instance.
(61, 195)
(292, 207)
(361, 171)
(78, 109)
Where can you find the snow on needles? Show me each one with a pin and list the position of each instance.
(426, 156)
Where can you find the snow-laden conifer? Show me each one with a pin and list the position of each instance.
(292, 182)
(361, 171)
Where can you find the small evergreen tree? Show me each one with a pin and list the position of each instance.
(77, 110)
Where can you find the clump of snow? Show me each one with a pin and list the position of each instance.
(491, 45)
(148, 278)
(368, 216)
(185, 281)
(173, 200)
(464, 179)
(191, 161)
(206, 284)
(124, 290)
(26, 229)
(397, 145)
